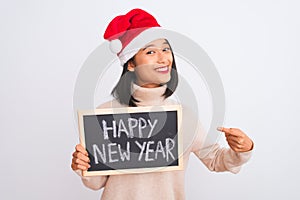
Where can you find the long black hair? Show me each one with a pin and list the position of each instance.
(122, 91)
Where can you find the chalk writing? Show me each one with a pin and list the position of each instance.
(131, 140)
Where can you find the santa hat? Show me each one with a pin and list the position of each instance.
(130, 32)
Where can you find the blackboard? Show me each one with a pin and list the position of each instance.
(132, 140)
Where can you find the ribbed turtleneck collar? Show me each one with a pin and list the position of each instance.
(148, 96)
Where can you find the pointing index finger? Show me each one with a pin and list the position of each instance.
(225, 130)
(231, 131)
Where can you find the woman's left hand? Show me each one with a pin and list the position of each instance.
(237, 139)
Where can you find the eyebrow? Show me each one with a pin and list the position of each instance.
(152, 45)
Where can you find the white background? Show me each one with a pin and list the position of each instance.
(254, 45)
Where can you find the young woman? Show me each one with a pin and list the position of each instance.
(149, 77)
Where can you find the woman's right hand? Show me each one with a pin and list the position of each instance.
(80, 158)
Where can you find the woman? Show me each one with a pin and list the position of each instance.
(149, 77)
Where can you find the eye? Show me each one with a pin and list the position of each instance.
(166, 49)
(150, 52)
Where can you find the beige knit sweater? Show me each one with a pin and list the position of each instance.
(164, 185)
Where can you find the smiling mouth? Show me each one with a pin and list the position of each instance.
(164, 69)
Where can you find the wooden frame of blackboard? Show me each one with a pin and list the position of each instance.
(177, 108)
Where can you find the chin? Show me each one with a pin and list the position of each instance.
(163, 82)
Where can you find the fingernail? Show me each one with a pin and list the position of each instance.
(219, 128)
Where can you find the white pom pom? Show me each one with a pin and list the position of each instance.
(115, 46)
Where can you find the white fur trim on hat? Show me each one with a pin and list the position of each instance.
(115, 46)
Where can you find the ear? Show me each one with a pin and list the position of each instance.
(131, 66)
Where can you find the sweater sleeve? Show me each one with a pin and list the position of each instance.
(222, 159)
(93, 182)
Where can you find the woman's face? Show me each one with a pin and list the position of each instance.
(152, 64)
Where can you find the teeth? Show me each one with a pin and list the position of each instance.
(162, 69)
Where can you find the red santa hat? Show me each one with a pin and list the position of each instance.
(130, 32)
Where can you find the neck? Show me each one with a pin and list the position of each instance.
(148, 96)
(149, 85)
